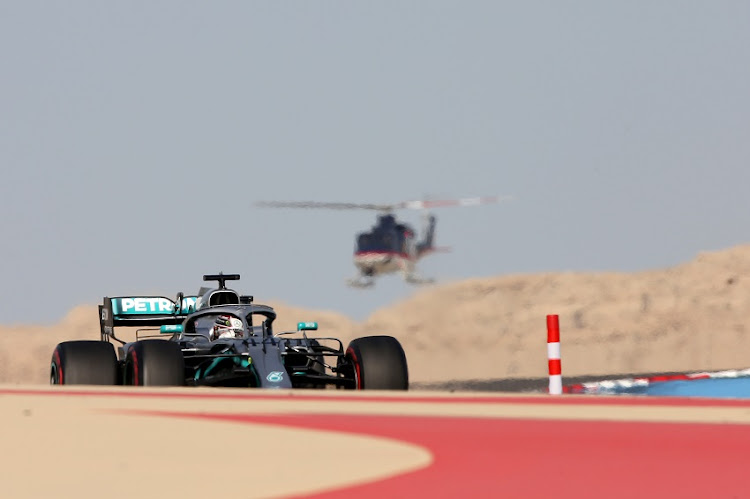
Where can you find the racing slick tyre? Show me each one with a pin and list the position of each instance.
(154, 363)
(84, 363)
(379, 363)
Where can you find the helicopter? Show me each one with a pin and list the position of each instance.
(390, 246)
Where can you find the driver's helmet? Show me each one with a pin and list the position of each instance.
(226, 326)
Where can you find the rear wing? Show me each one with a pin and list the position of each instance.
(142, 311)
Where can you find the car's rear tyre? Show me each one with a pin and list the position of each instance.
(154, 363)
(84, 362)
(378, 363)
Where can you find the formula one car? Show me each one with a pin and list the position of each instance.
(221, 338)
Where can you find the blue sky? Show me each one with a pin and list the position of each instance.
(136, 136)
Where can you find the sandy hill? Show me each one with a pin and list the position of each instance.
(693, 316)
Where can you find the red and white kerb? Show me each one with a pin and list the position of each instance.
(553, 355)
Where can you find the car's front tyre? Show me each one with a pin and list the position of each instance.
(378, 363)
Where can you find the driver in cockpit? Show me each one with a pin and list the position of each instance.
(226, 326)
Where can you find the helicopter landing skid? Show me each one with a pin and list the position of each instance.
(361, 282)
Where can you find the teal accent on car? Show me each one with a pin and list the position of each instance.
(142, 305)
(307, 326)
(189, 304)
(150, 305)
(170, 329)
(238, 360)
(213, 364)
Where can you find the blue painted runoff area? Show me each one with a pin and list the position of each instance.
(707, 388)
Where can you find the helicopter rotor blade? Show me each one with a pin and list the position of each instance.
(412, 205)
(321, 204)
(440, 203)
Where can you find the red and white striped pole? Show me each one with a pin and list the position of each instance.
(553, 355)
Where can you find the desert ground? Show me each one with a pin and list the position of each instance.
(689, 317)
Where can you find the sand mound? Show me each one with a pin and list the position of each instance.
(685, 318)
(26, 350)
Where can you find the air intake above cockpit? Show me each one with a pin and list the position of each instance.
(223, 297)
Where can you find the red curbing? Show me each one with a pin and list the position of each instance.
(553, 355)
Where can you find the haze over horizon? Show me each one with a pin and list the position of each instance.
(136, 138)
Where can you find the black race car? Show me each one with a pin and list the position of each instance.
(221, 338)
